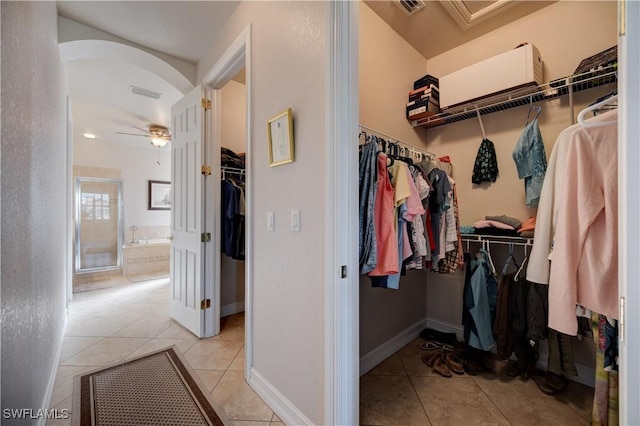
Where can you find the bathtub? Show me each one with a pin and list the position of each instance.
(147, 260)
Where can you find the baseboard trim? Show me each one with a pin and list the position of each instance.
(391, 346)
(283, 408)
(586, 375)
(232, 308)
(446, 328)
(46, 402)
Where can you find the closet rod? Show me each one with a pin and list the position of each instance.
(408, 145)
(492, 240)
(232, 169)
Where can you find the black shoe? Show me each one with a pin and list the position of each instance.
(544, 385)
(556, 381)
(513, 370)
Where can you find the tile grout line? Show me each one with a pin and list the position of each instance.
(491, 399)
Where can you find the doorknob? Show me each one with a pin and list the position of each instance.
(170, 238)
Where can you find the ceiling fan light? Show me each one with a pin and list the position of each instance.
(159, 142)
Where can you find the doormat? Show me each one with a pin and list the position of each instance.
(155, 389)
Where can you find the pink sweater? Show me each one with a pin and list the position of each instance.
(584, 264)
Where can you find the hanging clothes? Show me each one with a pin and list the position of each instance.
(606, 393)
(233, 219)
(367, 188)
(485, 167)
(531, 161)
(479, 303)
(384, 216)
(584, 266)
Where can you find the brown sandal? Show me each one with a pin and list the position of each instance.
(454, 363)
(440, 366)
(430, 358)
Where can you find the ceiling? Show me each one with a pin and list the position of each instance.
(100, 97)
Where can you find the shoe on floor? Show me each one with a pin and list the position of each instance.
(440, 366)
(544, 385)
(556, 381)
(454, 363)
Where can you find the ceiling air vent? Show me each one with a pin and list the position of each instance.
(144, 92)
(409, 6)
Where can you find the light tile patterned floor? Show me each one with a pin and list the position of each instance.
(127, 320)
(130, 319)
(404, 390)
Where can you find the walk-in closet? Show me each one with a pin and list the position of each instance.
(232, 217)
(567, 372)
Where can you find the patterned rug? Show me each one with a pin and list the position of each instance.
(155, 389)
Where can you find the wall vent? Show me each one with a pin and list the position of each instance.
(144, 92)
(410, 6)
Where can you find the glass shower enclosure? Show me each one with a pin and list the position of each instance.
(99, 224)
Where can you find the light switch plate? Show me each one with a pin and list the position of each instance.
(271, 221)
(295, 220)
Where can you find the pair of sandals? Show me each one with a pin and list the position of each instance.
(441, 358)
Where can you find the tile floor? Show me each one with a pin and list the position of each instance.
(127, 320)
(404, 390)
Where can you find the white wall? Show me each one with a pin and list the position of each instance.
(234, 120)
(34, 210)
(138, 166)
(288, 69)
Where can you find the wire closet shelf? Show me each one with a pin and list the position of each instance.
(523, 96)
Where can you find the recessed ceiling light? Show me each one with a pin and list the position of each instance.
(89, 135)
(144, 92)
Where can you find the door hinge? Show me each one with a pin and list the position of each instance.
(205, 170)
(205, 304)
(205, 237)
(621, 322)
(206, 104)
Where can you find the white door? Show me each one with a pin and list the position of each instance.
(186, 304)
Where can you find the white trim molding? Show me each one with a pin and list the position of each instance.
(629, 207)
(342, 316)
(237, 56)
(285, 409)
(391, 346)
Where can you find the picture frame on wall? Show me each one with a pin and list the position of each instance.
(159, 195)
(280, 134)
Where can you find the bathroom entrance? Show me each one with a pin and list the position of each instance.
(99, 231)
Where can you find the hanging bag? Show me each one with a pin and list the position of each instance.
(485, 168)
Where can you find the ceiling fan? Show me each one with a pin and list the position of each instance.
(159, 135)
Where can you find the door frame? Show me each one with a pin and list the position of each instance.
(235, 57)
(629, 202)
(342, 298)
(342, 303)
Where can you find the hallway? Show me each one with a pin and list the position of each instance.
(127, 320)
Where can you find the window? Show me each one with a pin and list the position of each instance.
(95, 206)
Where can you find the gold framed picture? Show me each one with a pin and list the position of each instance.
(280, 133)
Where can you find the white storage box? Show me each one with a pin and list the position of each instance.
(510, 70)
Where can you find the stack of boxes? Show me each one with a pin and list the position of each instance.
(424, 99)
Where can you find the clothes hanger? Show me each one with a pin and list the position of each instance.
(593, 107)
(532, 107)
(516, 277)
(509, 259)
(484, 134)
(487, 253)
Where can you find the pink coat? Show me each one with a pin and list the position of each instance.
(584, 262)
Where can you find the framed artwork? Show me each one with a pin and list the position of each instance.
(280, 133)
(159, 195)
